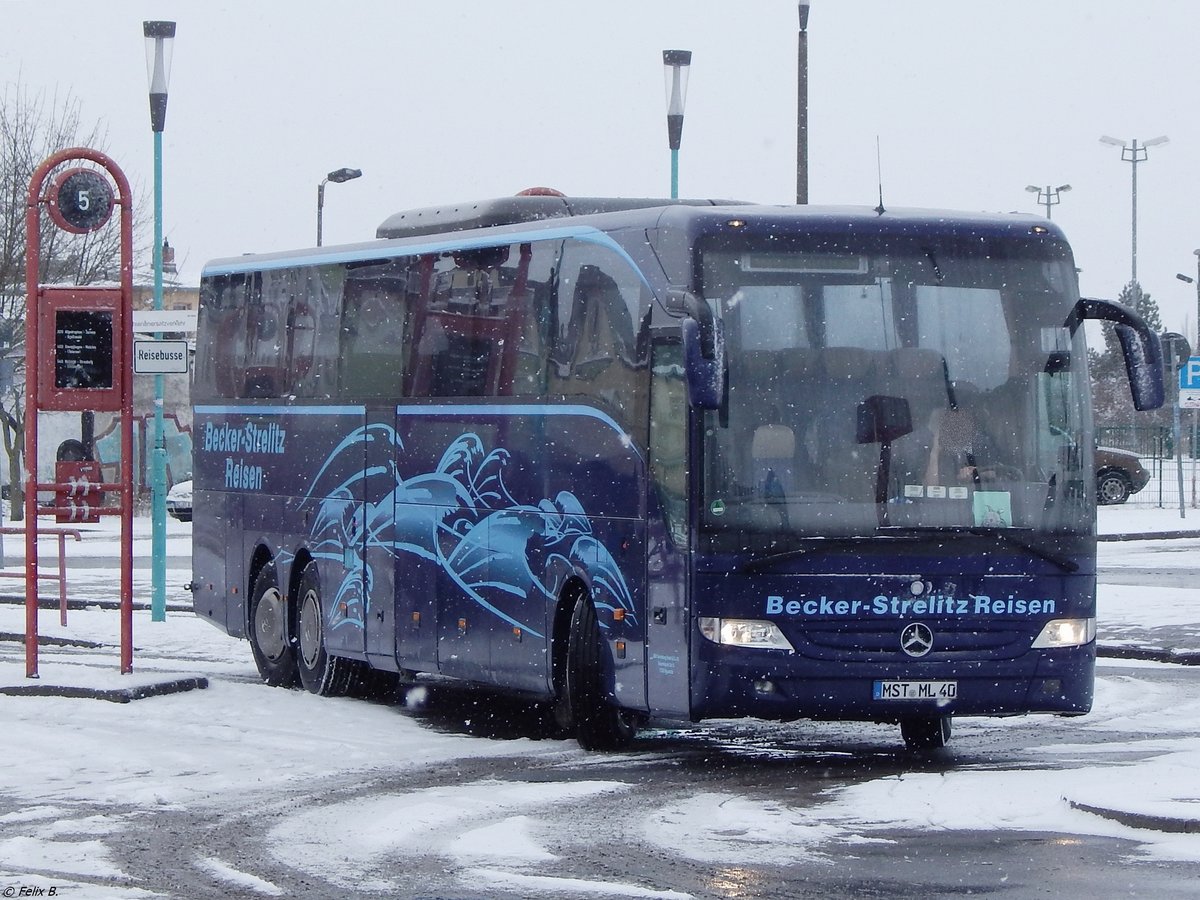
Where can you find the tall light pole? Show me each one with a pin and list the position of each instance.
(160, 39)
(1048, 197)
(802, 108)
(676, 64)
(337, 176)
(1133, 153)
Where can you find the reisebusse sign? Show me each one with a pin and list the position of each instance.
(160, 357)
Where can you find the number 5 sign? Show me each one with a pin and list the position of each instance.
(80, 200)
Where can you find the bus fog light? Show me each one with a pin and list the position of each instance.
(744, 633)
(764, 687)
(1066, 633)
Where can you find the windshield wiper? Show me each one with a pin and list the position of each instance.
(1006, 535)
(905, 533)
(822, 543)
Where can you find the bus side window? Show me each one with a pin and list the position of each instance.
(535, 329)
(223, 308)
(600, 341)
(668, 437)
(375, 334)
(474, 320)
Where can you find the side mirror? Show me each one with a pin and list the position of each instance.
(685, 303)
(703, 348)
(1139, 345)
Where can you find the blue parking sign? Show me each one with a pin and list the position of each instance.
(1189, 384)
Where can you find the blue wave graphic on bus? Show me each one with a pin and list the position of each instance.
(508, 557)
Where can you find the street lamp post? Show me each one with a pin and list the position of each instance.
(1133, 153)
(160, 39)
(676, 64)
(1048, 197)
(337, 176)
(802, 108)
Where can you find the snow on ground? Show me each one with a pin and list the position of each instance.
(1146, 516)
(220, 748)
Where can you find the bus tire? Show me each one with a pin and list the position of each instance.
(925, 732)
(599, 725)
(320, 672)
(270, 640)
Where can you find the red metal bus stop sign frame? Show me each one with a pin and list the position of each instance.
(78, 352)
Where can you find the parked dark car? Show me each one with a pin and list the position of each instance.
(1119, 474)
(179, 501)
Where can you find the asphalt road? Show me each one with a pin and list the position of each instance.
(603, 838)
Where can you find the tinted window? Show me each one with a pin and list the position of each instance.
(377, 328)
(482, 322)
(600, 342)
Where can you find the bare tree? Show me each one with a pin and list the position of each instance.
(32, 127)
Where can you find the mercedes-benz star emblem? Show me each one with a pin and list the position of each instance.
(916, 639)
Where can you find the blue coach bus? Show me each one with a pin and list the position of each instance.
(646, 459)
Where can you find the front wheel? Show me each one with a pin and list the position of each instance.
(599, 725)
(270, 640)
(320, 672)
(925, 732)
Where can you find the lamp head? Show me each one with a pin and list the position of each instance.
(676, 64)
(1105, 139)
(160, 39)
(337, 176)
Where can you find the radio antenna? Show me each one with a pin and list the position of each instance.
(879, 170)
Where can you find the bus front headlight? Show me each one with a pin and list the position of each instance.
(1066, 633)
(744, 633)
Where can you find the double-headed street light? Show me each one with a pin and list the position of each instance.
(676, 64)
(1048, 197)
(337, 176)
(1190, 280)
(160, 39)
(1133, 153)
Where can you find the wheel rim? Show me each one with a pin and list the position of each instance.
(310, 629)
(269, 632)
(1112, 489)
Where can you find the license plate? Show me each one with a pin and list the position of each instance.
(916, 690)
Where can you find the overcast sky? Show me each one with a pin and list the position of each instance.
(466, 99)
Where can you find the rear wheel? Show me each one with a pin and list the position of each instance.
(320, 672)
(1112, 487)
(926, 732)
(599, 725)
(270, 640)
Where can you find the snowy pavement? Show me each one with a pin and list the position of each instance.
(1128, 770)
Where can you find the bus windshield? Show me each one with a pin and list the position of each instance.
(884, 383)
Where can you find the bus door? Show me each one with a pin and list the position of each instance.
(380, 564)
(668, 624)
(336, 520)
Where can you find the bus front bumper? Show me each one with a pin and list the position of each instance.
(739, 683)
